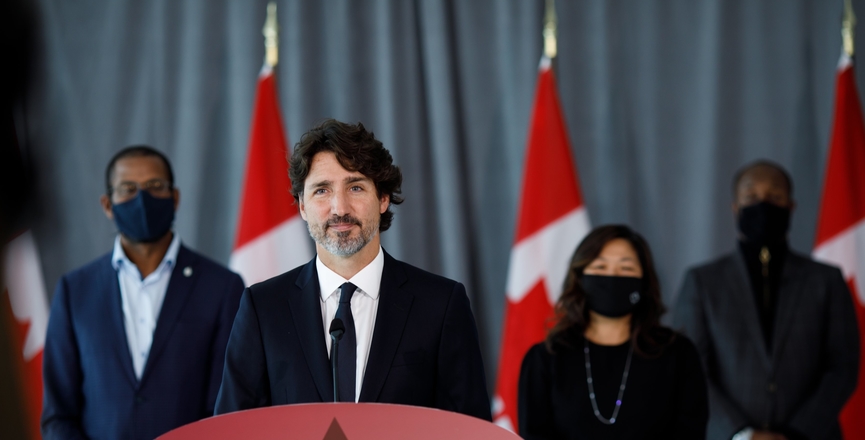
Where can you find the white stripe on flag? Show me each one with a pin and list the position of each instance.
(27, 291)
(546, 255)
(272, 253)
(847, 251)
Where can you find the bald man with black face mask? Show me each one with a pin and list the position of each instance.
(776, 330)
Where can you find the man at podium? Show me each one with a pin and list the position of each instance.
(407, 336)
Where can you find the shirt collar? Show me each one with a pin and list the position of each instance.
(368, 280)
(119, 257)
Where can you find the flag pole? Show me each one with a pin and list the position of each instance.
(550, 22)
(848, 24)
(271, 36)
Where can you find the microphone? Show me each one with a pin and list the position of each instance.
(337, 329)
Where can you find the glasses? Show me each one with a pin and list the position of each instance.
(156, 187)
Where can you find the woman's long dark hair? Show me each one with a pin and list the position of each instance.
(572, 314)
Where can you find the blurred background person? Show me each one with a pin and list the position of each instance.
(20, 345)
(607, 368)
(776, 331)
(136, 338)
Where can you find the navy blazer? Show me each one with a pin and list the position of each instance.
(90, 387)
(424, 348)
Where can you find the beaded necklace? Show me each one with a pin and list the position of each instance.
(589, 380)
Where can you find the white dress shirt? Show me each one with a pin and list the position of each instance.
(142, 299)
(364, 306)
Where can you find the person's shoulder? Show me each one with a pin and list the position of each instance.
(214, 271)
(89, 270)
(418, 275)
(539, 354)
(565, 341)
(284, 282)
(804, 264)
(88, 283)
(211, 267)
(715, 264)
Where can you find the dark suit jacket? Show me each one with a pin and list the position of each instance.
(90, 386)
(810, 373)
(424, 348)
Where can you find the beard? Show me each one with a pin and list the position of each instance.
(342, 244)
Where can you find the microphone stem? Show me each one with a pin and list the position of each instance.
(333, 365)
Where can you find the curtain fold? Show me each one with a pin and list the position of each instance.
(663, 101)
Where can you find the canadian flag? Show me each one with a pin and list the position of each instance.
(551, 222)
(25, 290)
(271, 236)
(841, 224)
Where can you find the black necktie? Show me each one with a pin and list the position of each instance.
(347, 346)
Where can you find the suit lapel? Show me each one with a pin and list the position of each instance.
(115, 321)
(743, 298)
(789, 293)
(180, 287)
(390, 320)
(305, 306)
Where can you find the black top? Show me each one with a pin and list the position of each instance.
(665, 397)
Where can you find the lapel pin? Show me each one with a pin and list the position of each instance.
(187, 271)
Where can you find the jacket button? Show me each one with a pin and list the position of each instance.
(139, 400)
(772, 387)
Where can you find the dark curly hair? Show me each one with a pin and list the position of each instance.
(572, 315)
(356, 149)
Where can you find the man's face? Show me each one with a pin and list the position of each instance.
(342, 208)
(762, 184)
(133, 173)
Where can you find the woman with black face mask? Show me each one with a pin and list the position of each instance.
(607, 368)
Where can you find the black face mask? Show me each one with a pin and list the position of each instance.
(612, 296)
(764, 223)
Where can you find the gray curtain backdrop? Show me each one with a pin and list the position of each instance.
(664, 99)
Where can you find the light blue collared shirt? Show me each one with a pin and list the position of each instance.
(142, 299)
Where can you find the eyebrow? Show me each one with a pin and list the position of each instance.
(347, 180)
(621, 259)
(148, 180)
(320, 184)
(355, 179)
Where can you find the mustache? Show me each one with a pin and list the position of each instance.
(347, 219)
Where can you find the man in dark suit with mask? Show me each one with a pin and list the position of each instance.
(776, 330)
(136, 339)
(408, 336)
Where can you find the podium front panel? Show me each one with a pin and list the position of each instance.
(341, 421)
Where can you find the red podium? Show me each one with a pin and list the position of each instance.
(341, 421)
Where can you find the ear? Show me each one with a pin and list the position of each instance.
(176, 199)
(105, 201)
(383, 204)
(301, 207)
